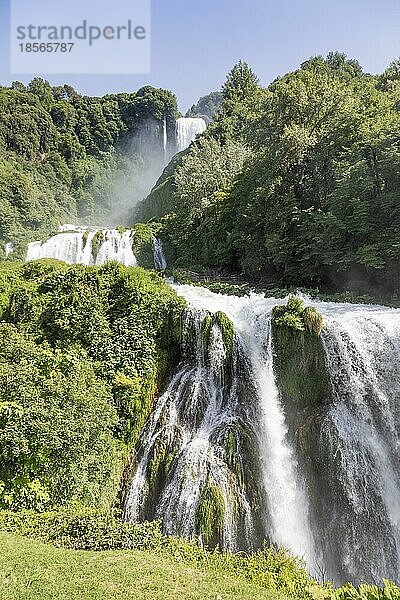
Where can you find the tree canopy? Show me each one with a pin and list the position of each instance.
(315, 199)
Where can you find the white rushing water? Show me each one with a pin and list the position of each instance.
(160, 262)
(186, 131)
(165, 140)
(92, 246)
(362, 431)
(286, 501)
(334, 496)
(285, 514)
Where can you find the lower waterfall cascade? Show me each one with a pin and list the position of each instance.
(228, 459)
(93, 246)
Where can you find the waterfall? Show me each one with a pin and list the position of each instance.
(9, 248)
(190, 452)
(165, 139)
(86, 246)
(360, 438)
(329, 490)
(186, 131)
(206, 405)
(160, 262)
(76, 244)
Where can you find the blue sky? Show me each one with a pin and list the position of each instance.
(196, 42)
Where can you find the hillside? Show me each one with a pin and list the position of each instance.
(293, 184)
(68, 158)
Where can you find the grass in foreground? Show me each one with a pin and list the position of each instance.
(31, 570)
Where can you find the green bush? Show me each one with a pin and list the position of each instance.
(82, 529)
(294, 317)
(83, 353)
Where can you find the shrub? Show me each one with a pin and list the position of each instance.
(295, 317)
(83, 352)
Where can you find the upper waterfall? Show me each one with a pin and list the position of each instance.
(186, 131)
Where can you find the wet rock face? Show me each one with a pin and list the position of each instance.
(338, 392)
(300, 368)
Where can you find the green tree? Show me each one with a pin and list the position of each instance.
(241, 82)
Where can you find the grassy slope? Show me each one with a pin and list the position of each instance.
(33, 570)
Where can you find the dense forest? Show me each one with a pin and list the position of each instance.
(301, 177)
(207, 107)
(83, 352)
(296, 183)
(71, 158)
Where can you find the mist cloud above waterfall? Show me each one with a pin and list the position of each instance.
(127, 178)
(135, 168)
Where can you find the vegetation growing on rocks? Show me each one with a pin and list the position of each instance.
(83, 353)
(299, 354)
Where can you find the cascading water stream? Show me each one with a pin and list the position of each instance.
(361, 432)
(286, 501)
(160, 262)
(165, 139)
(328, 491)
(76, 245)
(253, 402)
(93, 246)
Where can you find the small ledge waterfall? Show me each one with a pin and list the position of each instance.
(160, 262)
(93, 246)
(327, 488)
(165, 140)
(186, 131)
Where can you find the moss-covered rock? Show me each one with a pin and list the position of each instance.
(206, 330)
(85, 237)
(299, 354)
(144, 235)
(300, 366)
(159, 468)
(97, 241)
(210, 514)
(313, 321)
(227, 330)
(233, 457)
